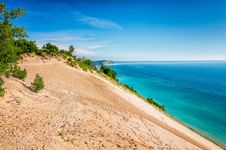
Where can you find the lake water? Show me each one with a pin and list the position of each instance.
(193, 92)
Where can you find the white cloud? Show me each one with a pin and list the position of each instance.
(59, 36)
(97, 22)
(96, 46)
(84, 45)
(85, 52)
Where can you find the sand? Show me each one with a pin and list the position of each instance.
(81, 110)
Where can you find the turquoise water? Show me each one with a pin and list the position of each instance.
(193, 92)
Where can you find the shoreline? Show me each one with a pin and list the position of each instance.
(164, 119)
(191, 125)
(115, 112)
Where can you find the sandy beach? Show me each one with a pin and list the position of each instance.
(82, 110)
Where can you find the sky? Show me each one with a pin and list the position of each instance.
(129, 29)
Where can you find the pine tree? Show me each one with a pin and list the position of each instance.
(9, 33)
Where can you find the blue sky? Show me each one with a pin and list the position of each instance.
(130, 29)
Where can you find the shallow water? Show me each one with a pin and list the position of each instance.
(193, 92)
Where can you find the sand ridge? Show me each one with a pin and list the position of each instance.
(78, 110)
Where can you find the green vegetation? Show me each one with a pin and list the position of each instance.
(9, 33)
(1, 81)
(109, 72)
(3, 68)
(18, 73)
(38, 83)
(13, 44)
(2, 90)
(130, 88)
(50, 49)
(26, 46)
(71, 49)
(151, 101)
(85, 63)
(10, 44)
(64, 53)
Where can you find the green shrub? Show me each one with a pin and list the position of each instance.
(83, 66)
(108, 71)
(1, 82)
(7, 74)
(2, 91)
(64, 54)
(50, 49)
(3, 68)
(38, 83)
(18, 73)
(86, 61)
(72, 62)
(163, 107)
(26, 46)
(151, 101)
(130, 88)
(38, 52)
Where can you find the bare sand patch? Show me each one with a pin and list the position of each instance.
(80, 110)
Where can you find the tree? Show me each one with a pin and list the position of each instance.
(26, 46)
(86, 61)
(50, 49)
(71, 49)
(9, 33)
(108, 71)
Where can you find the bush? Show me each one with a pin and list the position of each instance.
(50, 49)
(108, 71)
(130, 88)
(85, 63)
(72, 62)
(38, 83)
(3, 68)
(38, 51)
(26, 46)
(151, 101)
(1, 82)
(64, 54)
(83, 66)
(18, 73)
(2, 91)
(163, 107)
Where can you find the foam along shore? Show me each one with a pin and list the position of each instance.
(82, 110)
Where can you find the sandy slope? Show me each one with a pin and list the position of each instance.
(79, 110)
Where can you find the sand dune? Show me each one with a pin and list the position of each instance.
(81, 110)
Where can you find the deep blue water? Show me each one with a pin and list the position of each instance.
(193, 92)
